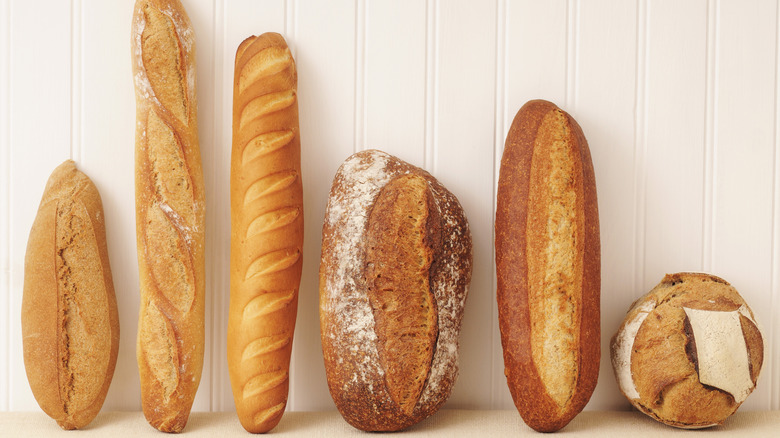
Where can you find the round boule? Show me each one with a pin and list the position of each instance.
(689, 352)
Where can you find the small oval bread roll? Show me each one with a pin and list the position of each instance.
(70, 325)
(689, 352)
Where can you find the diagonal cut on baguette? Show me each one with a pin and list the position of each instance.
(170, 213)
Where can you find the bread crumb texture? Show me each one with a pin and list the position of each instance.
(682, 375)
(169, 262)
(160, 350)
(554, 255)
(398, 260)
(162, 60)
(169, 172)
(84, 324)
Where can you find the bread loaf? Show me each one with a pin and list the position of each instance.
(548, 266)
(395, 268)
(70, 325)
(169, 213)
(689, 352)
(266, 243)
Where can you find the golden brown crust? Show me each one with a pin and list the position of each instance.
(169, 213)
(548, 266)
(663, 364)
(266, 229)
(70, 324)
(373, 389)
(406, 335)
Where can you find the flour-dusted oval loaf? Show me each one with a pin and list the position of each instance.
(170, 213)
(548, 266)
(689, 352)
(395, 269)
(70, 324)
(266, 243)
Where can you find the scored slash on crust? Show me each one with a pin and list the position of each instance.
(266, 303)
(266, 104)
(266, 143)
(269, 184)
(266, 62)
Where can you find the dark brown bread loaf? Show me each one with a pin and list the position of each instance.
(396, 265)
(70, 325)
(548, 266)
(170, 213)
(266, 244)
(689, 352)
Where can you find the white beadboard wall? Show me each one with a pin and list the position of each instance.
(679, 102)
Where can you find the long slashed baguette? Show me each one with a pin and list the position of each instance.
(69, 316)
(548, 266)
(266, 207)
(169, 213)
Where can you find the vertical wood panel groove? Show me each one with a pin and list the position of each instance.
(499, 112)
(5, 200)
(218, 280)
(76, 89)
(290, 11)
(640, 145)
(572, 16)
(431, 53)
(359, 142)
(774, 329)
(709, 136)
(210, 280)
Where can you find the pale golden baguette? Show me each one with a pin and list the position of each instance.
(70, 325)
(266, 208)
(169, 213)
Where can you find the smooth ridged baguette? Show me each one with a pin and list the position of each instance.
(170, 213)
(548, 266)
(266, 208)
(70, 324)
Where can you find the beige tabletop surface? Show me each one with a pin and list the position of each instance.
(446, 423)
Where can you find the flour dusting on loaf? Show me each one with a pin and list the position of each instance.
(170, 218)
(350, 342)
(689, 352)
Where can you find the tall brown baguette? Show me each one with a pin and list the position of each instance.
(70, 324)
(266, 208)
(395, 270)
(169, 213)
(548, 266)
